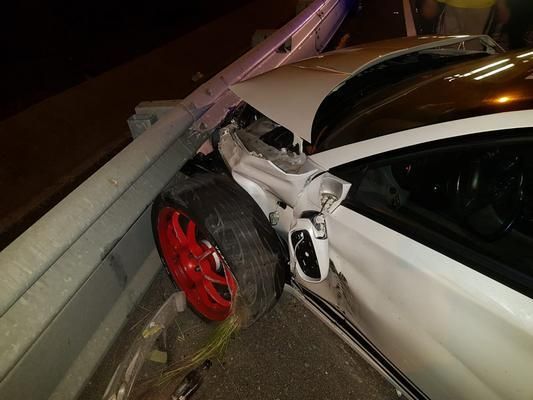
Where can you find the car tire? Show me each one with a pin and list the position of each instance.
(230, 237)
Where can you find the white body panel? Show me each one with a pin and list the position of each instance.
(454, 332)
(260, 176)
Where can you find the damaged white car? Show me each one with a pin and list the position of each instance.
(390, 186)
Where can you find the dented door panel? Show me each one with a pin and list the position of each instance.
(453, 331)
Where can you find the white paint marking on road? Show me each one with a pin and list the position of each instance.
(410, 29)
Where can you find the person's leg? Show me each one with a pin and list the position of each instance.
(473, 21)
(449, 22)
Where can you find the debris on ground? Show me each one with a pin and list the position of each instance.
(162, 344)
(157, 356)
(282, 356)
(191, 382)
(126, 373)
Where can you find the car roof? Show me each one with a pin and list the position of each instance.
(291, 95)
(493, 84)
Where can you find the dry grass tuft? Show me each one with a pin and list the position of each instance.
(215, 347)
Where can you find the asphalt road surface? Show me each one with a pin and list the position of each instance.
(287, 355)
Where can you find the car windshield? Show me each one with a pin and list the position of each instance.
(417, 90)
(383, 75)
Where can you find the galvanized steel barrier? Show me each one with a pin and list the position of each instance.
(69, 281)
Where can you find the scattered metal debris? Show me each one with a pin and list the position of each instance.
(191, 382)
(160, 357)
(151, 344)
(123, 379)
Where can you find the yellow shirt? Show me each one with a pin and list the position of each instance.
(469, 3)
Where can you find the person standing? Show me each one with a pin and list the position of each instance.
(465, 17)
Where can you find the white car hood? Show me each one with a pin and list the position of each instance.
(291, 95)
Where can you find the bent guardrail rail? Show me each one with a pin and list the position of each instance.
(70, 280)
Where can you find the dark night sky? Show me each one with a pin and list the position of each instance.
(48, 46)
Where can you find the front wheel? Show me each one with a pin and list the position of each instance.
(219, 248)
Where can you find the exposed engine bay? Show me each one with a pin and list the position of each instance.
(265, 139)
(266, 159)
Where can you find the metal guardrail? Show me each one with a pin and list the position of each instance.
(70, 280)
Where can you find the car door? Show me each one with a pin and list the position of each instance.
(431, 259)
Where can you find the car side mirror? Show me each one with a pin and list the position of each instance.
(309, 248)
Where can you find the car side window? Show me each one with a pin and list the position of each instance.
(471, 202)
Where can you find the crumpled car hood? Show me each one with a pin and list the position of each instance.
(291, 95)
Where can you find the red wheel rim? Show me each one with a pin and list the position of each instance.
(195, 264)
